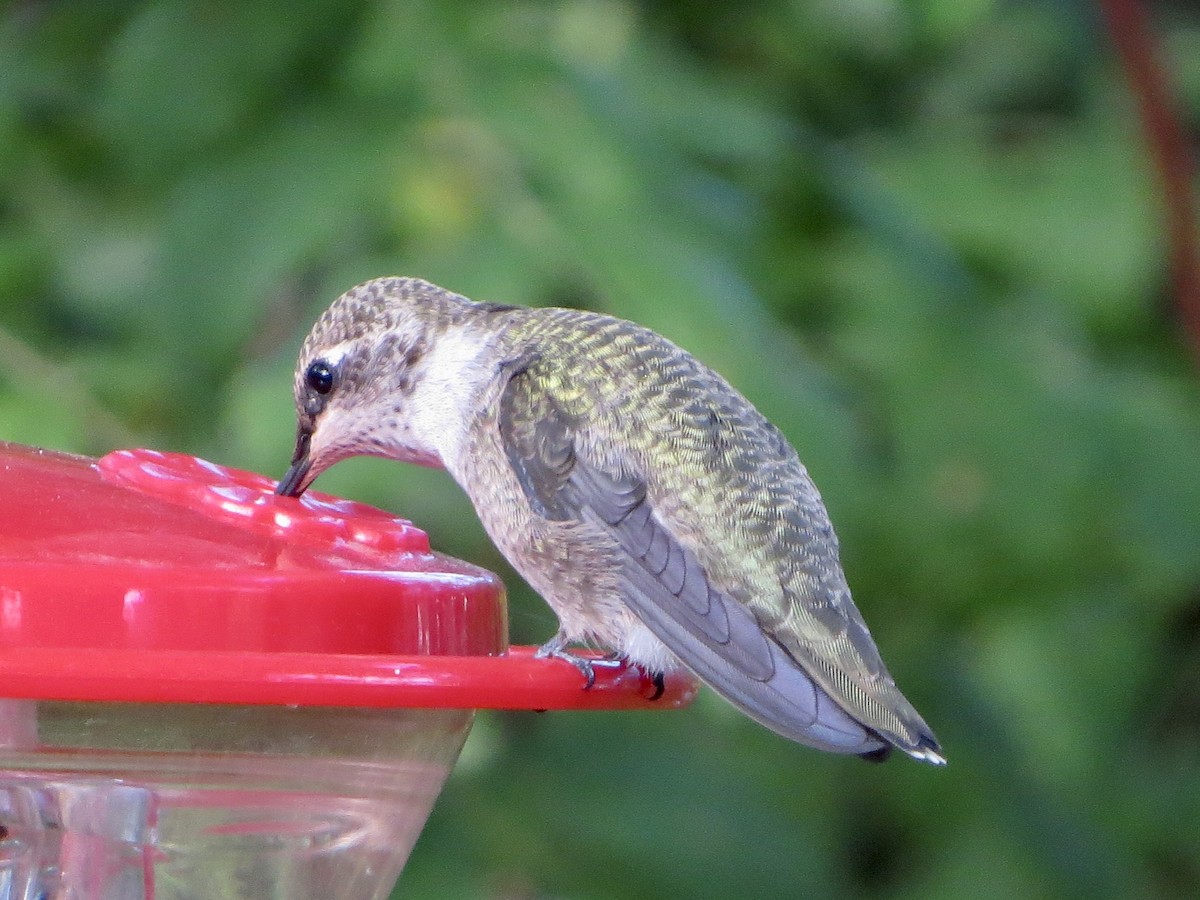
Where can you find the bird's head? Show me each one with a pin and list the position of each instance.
(366, 373)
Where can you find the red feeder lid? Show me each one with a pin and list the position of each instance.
(159, 577)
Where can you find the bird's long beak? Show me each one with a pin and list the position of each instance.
(296, 481)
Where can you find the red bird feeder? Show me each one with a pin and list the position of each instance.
(211, 691)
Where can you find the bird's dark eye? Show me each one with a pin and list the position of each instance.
(319, 377)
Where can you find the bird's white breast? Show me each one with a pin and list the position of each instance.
(454, 374)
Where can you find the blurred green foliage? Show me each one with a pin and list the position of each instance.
(921, 234)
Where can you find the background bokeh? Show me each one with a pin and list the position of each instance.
(923, 236)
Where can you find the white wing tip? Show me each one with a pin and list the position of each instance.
(925, 754)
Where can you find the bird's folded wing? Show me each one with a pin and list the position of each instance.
(666, 584)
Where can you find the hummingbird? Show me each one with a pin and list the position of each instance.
(660, 515)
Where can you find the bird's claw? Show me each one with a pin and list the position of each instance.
(659, 680)
(555, 648)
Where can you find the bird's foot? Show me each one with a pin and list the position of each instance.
(659, 680)
(556, 648)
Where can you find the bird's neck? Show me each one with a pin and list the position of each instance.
(455, 373)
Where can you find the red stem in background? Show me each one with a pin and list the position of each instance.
(1129, 26)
